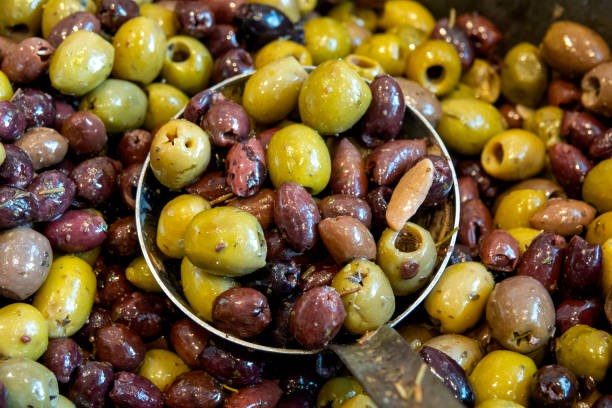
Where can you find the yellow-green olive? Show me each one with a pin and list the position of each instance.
(596, 188)
(458, 300)
(165, 101)
(2, 154)
(187, 64)
(606, 269)
(484, 79)
(366, 67)
(161, 367)
(517, 207)
(81, 63)
(359, 401)
(20, 19)
(401, 12)
(337, 391)
(410, 37)
(28, 384)
(358, 33)
(63, 402)
(180, 152)
(173, 221)
(333, 98)
(66, 297)
(435, 65)
(461, 91)
(467, 124)
(524, 236)
(464, 350)
(513, 155)
(226, 241)
(282, 48)
(140, 45)
(499, 403)
(139, 275)
(546, 124)
(366, 294)
(6, 90)
(306, 6)
(326, 39)
(89, 256)
(417, 334)
(388, 50)
(347, 12)
(55, 10)
(407, 257)
(600, 229)
(585, 350)
(166, 19)
(524, 75)
(271, 93)
(23, 331)
(291, 8)
(202, 288)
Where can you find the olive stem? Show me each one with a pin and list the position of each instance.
(52, 191)
(227, 387)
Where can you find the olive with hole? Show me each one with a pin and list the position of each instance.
(435, 65)
(513, 155)
(187, 64)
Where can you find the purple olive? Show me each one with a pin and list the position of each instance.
(15, 207)
(76, 231)
(12, 122)
(385, 115)
(543, 259)
(456, 37)
(582, 267)
(17, 169)
(52, 193)
(231, 365)
(37, 106)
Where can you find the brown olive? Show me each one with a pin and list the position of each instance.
(388, 162)
(261, 206)
(210, 186)
(499, 251)
(121, 237)
(121, 346)
(582, 267)
(227, 123)
(62, 357)
(246, 168)
(28, 60)
(85, 132)
(481, 31)
(296, 215)
(145, 313)
(243, 312)
(543, 259)
(474, 221)
(581, 128)
(91, 383)
(266, 394)
(570, 167)
(571, 312)
(554, 386)
(346, 239)
(562, 93)
(188, 340)
(134, 146)
(135, 391)
(195, 389)
(385, 115)
(348, 172)
(195, 18)
(597, 89)
(341, 204)
(468, 189)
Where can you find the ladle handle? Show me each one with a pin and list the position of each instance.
(393, 374)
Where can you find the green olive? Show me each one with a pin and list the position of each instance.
(359, 401)
(20, 19)
(596, 188)
(337, 391)
(120, 104)
(55, 10)
(166, 19)
(187, 64)
(161, 367)
(140, 45)
(271, 93)
(347, 12)
(6, 90)
(306, 6)
(226, 241)
(23, 331)
(2, 154)
(81, 62)
(546, 124)
(417, 334)
(180, 152)
(291, 8)
(407, 12)
(499, 403)
(585, 351)
(28, 384)
(366, 294)
(458, 300)
(484, 79)
(467, 124)
(202, 288)
(333, 98)
(513, 155)
(89, 256)
(139, 275)
(66, 297)
(435, 65)
(409, 36)
(606, 269)
(297, 153)
(366, 67)
(282, 48)
(600, 229)
(461, 91)
(524, 236)
(165, 101)
(388, 50)
(326, 39)
(63, 402)
(173, 221)
(464, 350)
(516, 208)
(524, 75)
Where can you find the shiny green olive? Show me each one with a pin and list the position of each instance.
(6, 90)
(596, 188)
(366, 67)
(326, 39)
(585, 350)
(23, 331)
(173, 221)
(484, 79)
(279, 49)
(187, 64)
(524, 236)
(458, 300)
(410, 37)
(401, 12)
(165, 101)
(63, 402)
(180, 152)
(417, 334)
(359, 401)
(271, 93)
(513, 155)
(337, 391)
(291, 8)
(139, 275)
(81, 63)
(297, 153)
(546, 124)
(524, 75)
(28, 384)
(333, 98)
(140, 46)
(347, 12)
(366, 294)
(67, 296)
(226, 241)
(407, 257)
(388, 50)
(464, 350)
(461, 91)
(202, 288)
(161, 367)
(55, 10)
(435, 65)
(600, 229)
(499, 403)
(20, 19)
(89, 256)
(467, 124)
(166, 19)
(516, 208)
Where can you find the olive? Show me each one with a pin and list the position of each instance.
(12, 121)
(120, 346)
(233, 62)
(398, 12)
(570, 167)
(91, 384)
(165, 101)
(571, 312)
(195, 389)
(326, 39)
(188, 340)
(81, 20)
(585, 350)
(543, 259)
(19, 20)
(384, 117)
(166, 18)
(516, 209)
(450, 372)
(456, 37)
(435, 65)
(596, 89)
(37, 106)
(195, 19)
(546, 124)
(554, 386)
(62, 357)
(464, 350)
(223, 37)
(267, 393)
(594, 190)
(484, 79)
(386, 49)
(162, 367)
(513, 155)
(85, 132)
(282, 48)
(231, 365)
(23, 330)
(28, 383)
(481, 31)
(582, 267)
(563, 94)
(28, 60)
(114, 13)
(366, 67)
(187, 64)
(132, 390)
(260, 24)
(421, 99)
(524, 76)
(337, 391)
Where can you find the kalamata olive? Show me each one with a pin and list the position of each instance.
(278, 330)
(112, 286)
(135, 391)
(385, 115)
(346, 238)
(511, 115)
(28, 60)
(195, 18)
(457, 37)
(481, 31)
(128, 182)
(246, 167)
(581, 267)
(462, 253)
(261, 206)
(199, 104)
(16, 207)
(62, 357)
(12, 122)
(233, 62)
(278, 279)
(120, 346)
(227, 123)
(468, 189)
(194, 389)
(378, 199)
(86, 133)
(296, 215)
(76, 231)
(17, 169)
(499, 251)
(341, 204)
(91, 383)
(543, 259)
(474, 221)
(570, 167)
(563, 216)
(188, 340)
(278, 248)
(451, 374)
(260, 23)
(387, 163)
(98, 317)
(121, 237)
(601, 148)
(222, 38)
(44, 146)
(265, 136)
(571, 312)
(96, 179)
(348, 172)
(37, 106)
(562, 93)
(231, 365)
(134, 146)
(554, 386)
(242, 312)
(81, 20)
(581, 128)
(317, 317)
(442, 183)
(318, 274)
(210, 186)
(473, 169)
(225, 10)
(113, 13)
(265, 394)
(145, 313)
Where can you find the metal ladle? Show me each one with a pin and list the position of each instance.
(390, 371)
